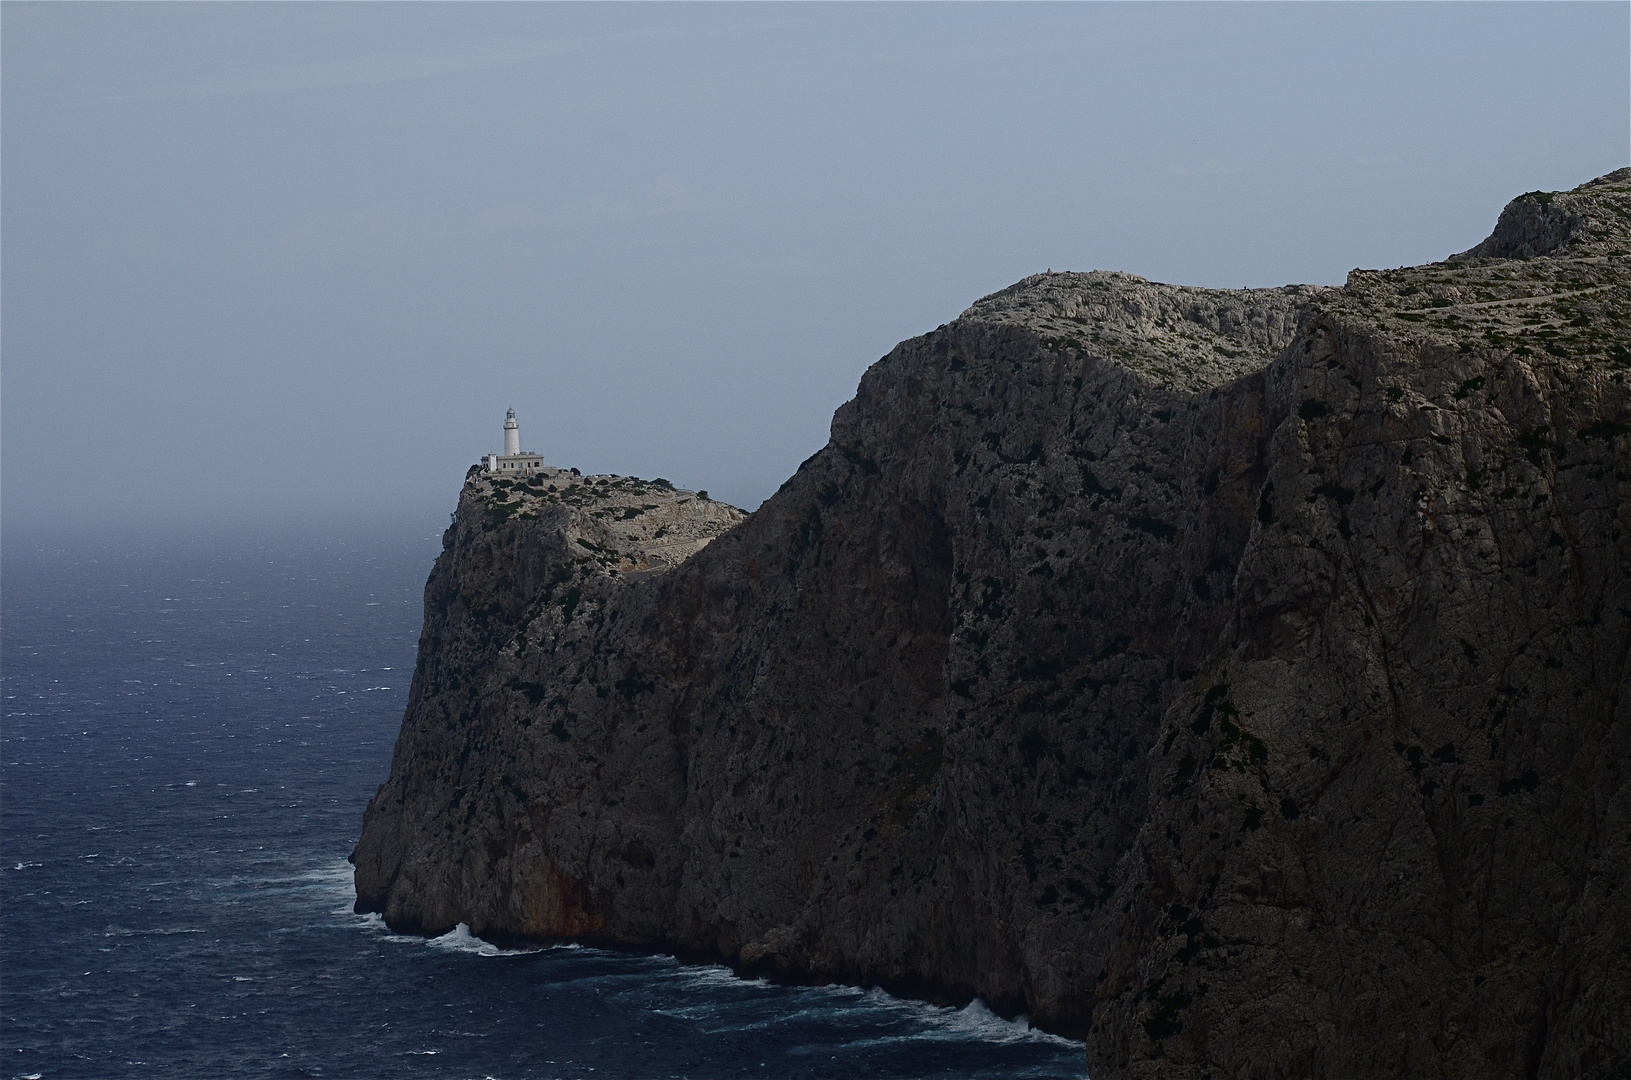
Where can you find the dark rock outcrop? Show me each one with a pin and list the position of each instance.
(1236, 677)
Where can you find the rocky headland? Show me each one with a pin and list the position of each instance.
(1237, 679)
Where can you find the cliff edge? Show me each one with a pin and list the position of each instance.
(1236, 678)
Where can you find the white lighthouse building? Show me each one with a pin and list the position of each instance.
(512, 460)
(512, 434)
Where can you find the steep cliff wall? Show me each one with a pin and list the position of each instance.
(1237, 677)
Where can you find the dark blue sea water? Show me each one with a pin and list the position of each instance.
(190, 731)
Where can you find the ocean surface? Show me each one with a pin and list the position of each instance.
(190, 731)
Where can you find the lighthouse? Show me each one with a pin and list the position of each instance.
(512, 460)
(512, 434)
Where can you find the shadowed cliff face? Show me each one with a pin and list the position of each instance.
(1236, 677)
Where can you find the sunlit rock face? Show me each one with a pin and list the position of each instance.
(1238, 678)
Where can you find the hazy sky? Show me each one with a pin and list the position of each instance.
(286, 260)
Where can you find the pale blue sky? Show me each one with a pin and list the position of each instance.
(293, 260)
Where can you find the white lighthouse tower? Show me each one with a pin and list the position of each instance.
(512, 434)
(512, 460)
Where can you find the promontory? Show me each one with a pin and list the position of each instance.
(1236, 679)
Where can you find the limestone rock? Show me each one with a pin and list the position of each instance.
(1547, 222)
(1238, 678)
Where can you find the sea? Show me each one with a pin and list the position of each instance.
(190, 728)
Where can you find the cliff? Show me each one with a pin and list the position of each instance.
(1238, 678)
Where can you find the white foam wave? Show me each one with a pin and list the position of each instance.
(977, 1020)
(460, 939)
(375, 922)
(944, 1023)
(712, 976)
(973, 1022)
(457, 940)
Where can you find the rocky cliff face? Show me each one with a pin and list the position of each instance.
(1237, 678)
